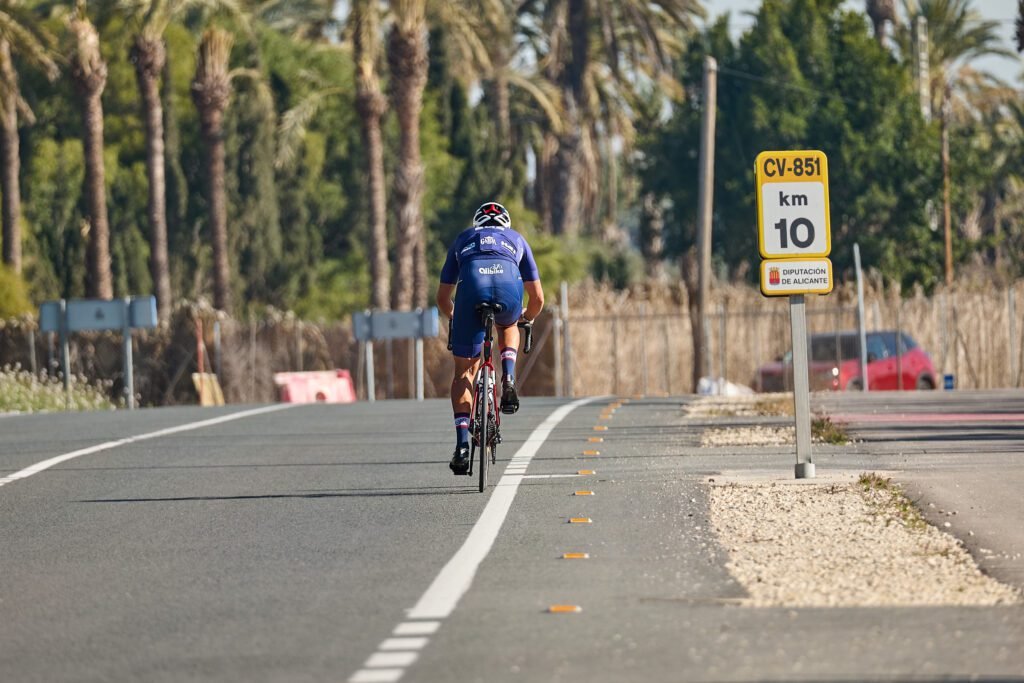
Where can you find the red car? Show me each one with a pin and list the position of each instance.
(835, 364)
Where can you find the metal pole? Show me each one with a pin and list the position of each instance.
(65, 354)
(32, 351)
(419, 369)
(899, 344)
(643, 344)
(861, 331)
(129, 366)
(801, 387)
(615, 356)
(1011, 306)
(668, 357)
(721, 349)
(252, 358)
(705, 196)
(371, 385)
(216, 348)
(567, 342)
(556, 320)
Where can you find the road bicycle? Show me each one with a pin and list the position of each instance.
(485, 418)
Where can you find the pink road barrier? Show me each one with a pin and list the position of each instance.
(327, 386)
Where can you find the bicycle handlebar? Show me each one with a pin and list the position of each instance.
(527, 328)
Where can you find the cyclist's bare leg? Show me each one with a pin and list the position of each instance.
(462, 384)
(508, 337)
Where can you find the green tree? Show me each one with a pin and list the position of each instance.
(602, 55)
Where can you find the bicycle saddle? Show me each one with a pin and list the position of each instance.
(487, 306)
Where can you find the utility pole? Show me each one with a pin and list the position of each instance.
(701, 356)
(947, 220)
(921, 66)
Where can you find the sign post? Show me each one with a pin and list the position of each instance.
(795, 239)
(99, 315)
(370, 326)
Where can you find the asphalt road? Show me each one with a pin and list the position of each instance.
(305, 544)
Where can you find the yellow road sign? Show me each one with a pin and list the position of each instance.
(792, 204)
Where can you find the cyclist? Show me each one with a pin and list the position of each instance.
(489, 262)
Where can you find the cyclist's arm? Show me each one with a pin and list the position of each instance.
(444, 299)
(535, 303)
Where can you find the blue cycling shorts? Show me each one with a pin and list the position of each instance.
(495, 281)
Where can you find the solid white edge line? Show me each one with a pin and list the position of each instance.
(455, 577)
(47, 464)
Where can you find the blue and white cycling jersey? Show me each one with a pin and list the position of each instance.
(492, 243)
(488, 264)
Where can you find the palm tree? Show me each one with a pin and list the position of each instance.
(1020, 25)
(211, 92)
(371, 105)
(89, 73)
(23, 35)
(881, 11)
(407, 59)
(956, 35)
(407, 55)
(601, 55)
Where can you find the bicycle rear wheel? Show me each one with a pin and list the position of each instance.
(482, 415)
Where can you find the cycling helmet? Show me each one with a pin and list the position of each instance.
(491, 214)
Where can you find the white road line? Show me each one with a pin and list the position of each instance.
(384, 660)
(454, 580)
(403, 644)
(456, 576)
(417, 628)
(47, 464)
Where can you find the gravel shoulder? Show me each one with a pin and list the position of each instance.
(832, 541)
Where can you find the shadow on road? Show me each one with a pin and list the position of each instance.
(341, 493)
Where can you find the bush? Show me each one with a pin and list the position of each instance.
(23, 392)
(14, 299)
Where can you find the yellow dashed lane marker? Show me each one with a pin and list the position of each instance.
(591, 452)
(595, 439)
(601, 428)
(583, 493)
(585, 472)
(603, 416)
(580, 520)
(564, 609)
(575, 556)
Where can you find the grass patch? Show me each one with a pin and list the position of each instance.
(826, 431)
(889, 502)
(23, 392)
(778, 406)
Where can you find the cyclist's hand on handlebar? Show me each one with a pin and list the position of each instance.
(527, 327)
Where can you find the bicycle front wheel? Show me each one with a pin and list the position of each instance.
(485, 435)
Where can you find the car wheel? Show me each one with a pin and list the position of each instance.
(925, 383)
(854, 385)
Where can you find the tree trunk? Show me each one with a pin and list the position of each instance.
(211, 91)
(216, 192)
(149, 57)
(371, 105)
(407, 57)
(565, 196)
(11, 160)
(90, 76)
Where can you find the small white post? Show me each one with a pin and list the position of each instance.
(419, 368)
(126, 340)
(371, 388)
